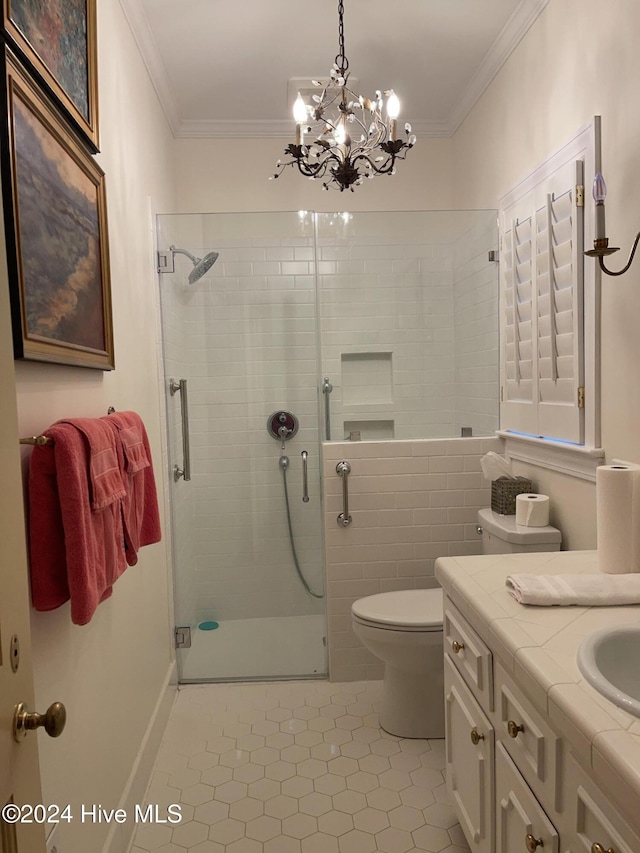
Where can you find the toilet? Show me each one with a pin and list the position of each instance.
(404, 630)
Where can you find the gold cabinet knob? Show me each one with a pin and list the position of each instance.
(532, 843)
(598, 848)
(24, 720)
(476, 737)
(514, 728)
(457, 647)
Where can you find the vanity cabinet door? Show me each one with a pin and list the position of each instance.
(530, 741)
(596, 825)
(469, 753)
(522, 825)
(470, 655)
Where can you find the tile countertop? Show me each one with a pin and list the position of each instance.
(538, 646)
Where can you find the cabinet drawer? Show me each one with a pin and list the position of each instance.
(529, 740)
(594, 821)
(469, 756)
(471, 657)
(521, 823)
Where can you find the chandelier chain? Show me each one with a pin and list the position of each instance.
(341, 60)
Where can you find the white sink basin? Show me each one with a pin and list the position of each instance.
(610, 662)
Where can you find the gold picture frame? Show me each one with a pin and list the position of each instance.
(56, 232)
(56, 39)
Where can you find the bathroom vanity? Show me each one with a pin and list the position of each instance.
(537, 760)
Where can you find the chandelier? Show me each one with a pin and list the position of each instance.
(351, 139)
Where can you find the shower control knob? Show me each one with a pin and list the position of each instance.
(25, 721)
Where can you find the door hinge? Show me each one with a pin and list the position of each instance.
(579, 195)
(581, 397)
(502, 393)
(182, 637)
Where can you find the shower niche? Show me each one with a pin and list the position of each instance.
(367, 395)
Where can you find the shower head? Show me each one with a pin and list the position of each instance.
(200, 265)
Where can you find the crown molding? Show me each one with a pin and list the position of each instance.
(143, 37)
(513, 32)
(263, 129)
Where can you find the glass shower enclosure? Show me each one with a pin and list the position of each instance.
(281, 331)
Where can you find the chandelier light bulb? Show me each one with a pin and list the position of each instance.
(393, 105)
(299, 110)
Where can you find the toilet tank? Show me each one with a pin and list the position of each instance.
(501, 535)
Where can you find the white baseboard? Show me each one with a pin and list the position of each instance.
(120, 836)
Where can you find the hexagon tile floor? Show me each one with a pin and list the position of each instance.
(296, 767)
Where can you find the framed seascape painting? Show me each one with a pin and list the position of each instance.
(57, 40)
(56, 232)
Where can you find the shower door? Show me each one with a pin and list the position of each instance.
(247, 549)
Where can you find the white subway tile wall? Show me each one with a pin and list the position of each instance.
(475, 328)
(398, 297)
(410, 501)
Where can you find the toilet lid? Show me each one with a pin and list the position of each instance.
(416, 608)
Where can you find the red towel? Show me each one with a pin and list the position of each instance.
(75, 550)
(140, 505)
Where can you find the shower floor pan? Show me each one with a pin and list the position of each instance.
(278, 647)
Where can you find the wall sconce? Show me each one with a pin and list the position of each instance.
(601, 246)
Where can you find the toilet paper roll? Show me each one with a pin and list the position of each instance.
(532, 510)
(618, 518)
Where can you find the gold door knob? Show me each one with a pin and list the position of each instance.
(598, 848)
(532, 843)
(25, 721)
(514, 728)
(456, 646)
(476, 737)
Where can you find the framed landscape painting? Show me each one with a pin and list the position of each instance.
(57, 40)
(56, 232)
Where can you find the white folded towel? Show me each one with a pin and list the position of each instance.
(586, 590)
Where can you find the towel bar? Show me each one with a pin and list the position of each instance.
(45, 439)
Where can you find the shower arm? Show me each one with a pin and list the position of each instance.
(191, 257)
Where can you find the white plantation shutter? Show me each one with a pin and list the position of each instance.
(542, 309)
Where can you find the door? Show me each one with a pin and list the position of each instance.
(469, 745)
(19, 770)
(240, 359)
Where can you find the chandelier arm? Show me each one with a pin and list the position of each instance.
(384, 169)
(629, 262)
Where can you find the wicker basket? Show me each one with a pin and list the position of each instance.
(504, 491)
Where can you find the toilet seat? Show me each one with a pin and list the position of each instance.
(417, 610)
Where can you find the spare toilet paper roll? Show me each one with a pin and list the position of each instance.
(532, 510)
(618, 518)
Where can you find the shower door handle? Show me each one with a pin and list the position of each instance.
(327, 388)
(344, 469)
(185, 471)
(305, 477)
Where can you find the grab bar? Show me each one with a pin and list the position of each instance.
(305, 477)
(327, 388)
(343, 469)
(185, 471)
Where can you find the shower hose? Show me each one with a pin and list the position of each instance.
(293, 547)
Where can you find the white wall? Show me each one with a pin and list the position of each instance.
(110, 673)
(577, 61)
